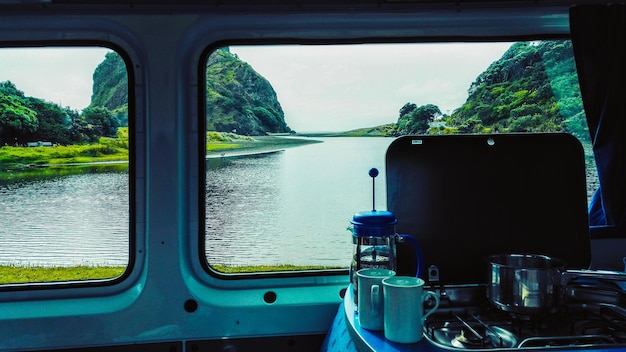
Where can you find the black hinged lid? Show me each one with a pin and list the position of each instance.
(465, 197)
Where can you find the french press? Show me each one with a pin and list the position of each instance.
(375, 240)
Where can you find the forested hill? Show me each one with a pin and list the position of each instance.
(110, 87)
(239, 99)
(26, 119)
(532, 88)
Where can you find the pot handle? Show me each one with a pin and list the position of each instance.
(607, 275)
(418, 251)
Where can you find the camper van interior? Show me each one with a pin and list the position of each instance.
(216, 175)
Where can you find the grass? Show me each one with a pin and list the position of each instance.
(13, 159)
(15, 274)
(107, 149)
(24, 157)
(221, 146)
(244, 269)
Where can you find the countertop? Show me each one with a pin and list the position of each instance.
(374, 341)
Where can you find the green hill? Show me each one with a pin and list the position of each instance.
(110, 87)
(532, 88)
(239, 99)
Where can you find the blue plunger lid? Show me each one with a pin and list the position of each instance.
(374, 223)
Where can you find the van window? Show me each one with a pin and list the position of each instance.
(64, 146)
(292, 130)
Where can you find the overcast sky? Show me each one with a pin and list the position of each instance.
(321, 88)
(59, 75)
(338, 88)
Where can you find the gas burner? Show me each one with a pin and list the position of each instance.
(460, 337)
(605, 321)
(473, 334)
(469, 337)
(495, 337)
(478, 325)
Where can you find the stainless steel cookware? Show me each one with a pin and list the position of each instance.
(532, 284)
(526, 284)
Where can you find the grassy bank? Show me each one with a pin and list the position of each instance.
(15, 159)
(10, 274)
(227, 144)
(22, 157)
(387, 130)
(105, 150)
(241, 269)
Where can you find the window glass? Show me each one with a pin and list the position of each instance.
(292, 131)
(64, 145)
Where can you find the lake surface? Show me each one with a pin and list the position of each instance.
(294, 206)
(66, 216)
(288, 207)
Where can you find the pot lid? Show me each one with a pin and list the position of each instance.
(374, 223)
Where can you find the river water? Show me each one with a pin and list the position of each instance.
(289, 207)
(66, 216)
(292, 207)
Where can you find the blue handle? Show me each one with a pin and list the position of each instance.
(418, 251)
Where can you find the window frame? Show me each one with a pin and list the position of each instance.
(115, 284)
(213, 46)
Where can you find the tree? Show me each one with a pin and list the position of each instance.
(16, 119)
(414, 120)
(101, 121)
(8, 88)
(407, 109)
(54, 122)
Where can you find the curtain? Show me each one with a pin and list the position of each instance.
(598, 39)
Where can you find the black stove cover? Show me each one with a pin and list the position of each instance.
(465, 197)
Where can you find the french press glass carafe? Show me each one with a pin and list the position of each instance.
(375, 241)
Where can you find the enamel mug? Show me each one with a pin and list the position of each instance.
(404, 316)
(370, 303)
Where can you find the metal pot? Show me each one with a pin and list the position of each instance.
(525, 284)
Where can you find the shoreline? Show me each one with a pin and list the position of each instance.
(109, 162)
(236, 153)
(236, 148)
(259, 145)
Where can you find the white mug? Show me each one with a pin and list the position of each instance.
(404, 308)
(370, 308)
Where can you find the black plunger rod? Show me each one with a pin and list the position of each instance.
(373, 173)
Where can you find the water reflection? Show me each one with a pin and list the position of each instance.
(65, 216)
(291, 207)
(29, 174)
